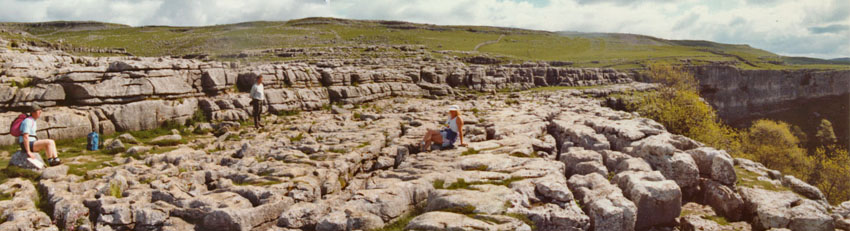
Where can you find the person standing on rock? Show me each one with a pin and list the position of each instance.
(31, 144)
(258, 96)
(448, 135)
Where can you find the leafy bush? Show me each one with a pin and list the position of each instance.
(678, 106)
(831, 173)
(773, 144)
(197, 117)
(825, 134)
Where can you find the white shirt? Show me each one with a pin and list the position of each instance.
(452, 122)
(257, 92)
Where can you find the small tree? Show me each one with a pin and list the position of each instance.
(825, 134)
(831, 173)
(773, 144)
(673, 78)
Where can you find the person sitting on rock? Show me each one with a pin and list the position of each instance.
(258, 95)
(31, 144)
(448, 135)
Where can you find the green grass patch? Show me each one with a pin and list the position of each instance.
(340, 151)
(717, 219)
(160, 150)
(233, 137)
(561, 88)
(470, 151)
(115, 190)
(168, 142)
(623, 51)
(165, 129)
(197, 117)
(82, 168)
(364, 144)
(5, 196)
(750, 180)
(482, 168)
(297, 138)
(466, 210)
(14, 172)
(259, 183)
(460, 183)
(522, 218)
(288, 113)
(25, 83)
(522, 155)
(401, 222)
(113, 151)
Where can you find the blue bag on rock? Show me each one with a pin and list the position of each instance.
(93, 139)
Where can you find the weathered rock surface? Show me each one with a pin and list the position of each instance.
(548, 160)
(658, 200)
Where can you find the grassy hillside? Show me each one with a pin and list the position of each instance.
(515, 45)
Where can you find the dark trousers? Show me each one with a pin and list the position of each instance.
(257, 105)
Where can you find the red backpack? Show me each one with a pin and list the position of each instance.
(15, 128)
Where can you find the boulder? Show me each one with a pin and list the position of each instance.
(167, 140)
(19, 159)
(663, 153)
(604, 203)
(551, 217)
(302, 214)
(841, 216)
(55, 172)
(581, 135)
(488, 199)
(114, 146)
(784, 209)
(697, 223)
(575, 157)
(658, 201)
(724, 200)
(128, 138)
(136, 150)
(803, 188)
(714, 164)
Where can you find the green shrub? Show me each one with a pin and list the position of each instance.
(198, 117)
(772, 144)
(115, 190)
(678, 106)
(5, 196)
(23, 84)
(439, 184)
(832, 173)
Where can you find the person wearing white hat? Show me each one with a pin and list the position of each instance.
(447, 136)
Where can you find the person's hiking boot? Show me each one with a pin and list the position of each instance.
(54, 161)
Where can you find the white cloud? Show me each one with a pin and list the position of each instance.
(786, 27)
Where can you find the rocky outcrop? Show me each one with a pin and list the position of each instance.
(109, 94)
(535, 160)
(19, 211)
(737, 93)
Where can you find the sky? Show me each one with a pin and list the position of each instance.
(814, 28)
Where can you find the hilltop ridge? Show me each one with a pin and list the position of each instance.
(257, 41)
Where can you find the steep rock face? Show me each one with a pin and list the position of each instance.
(737, 93)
